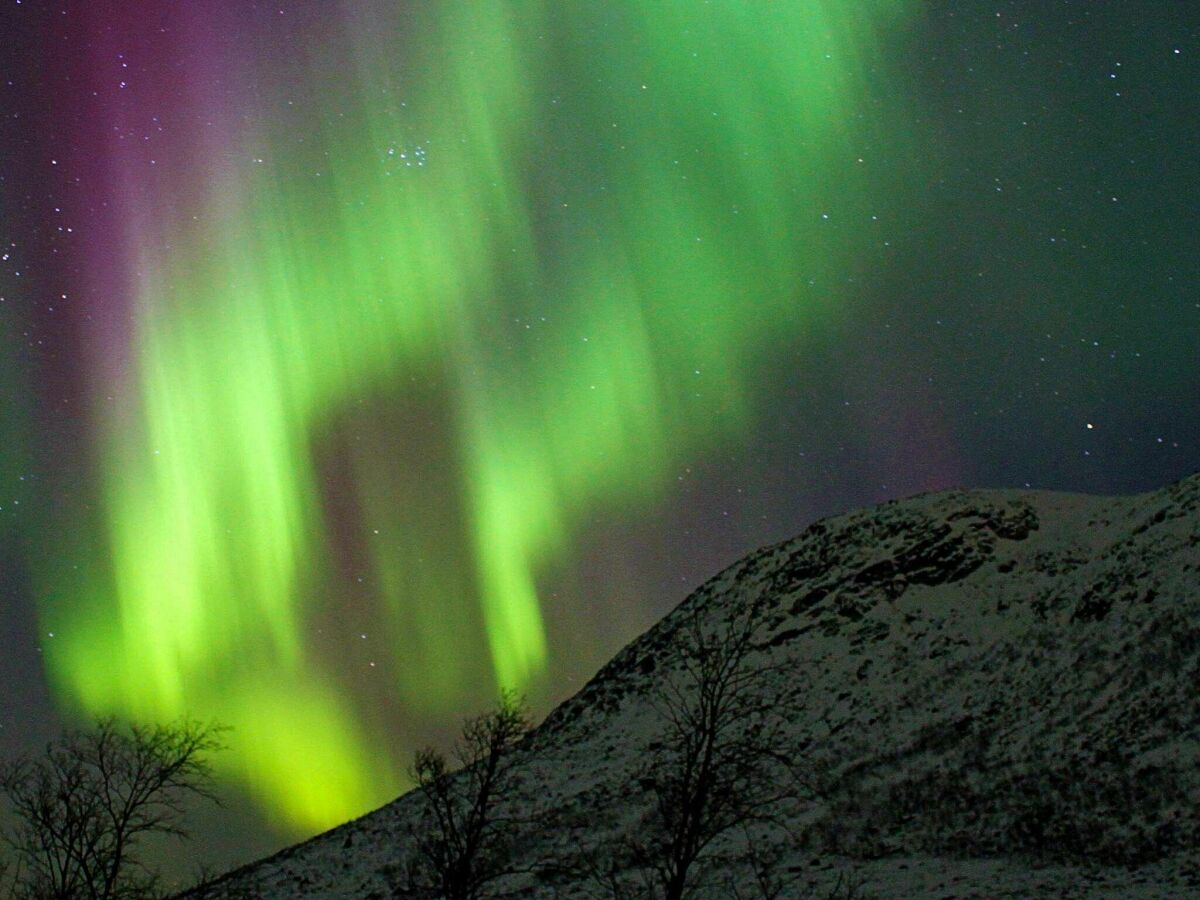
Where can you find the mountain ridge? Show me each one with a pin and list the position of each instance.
(985, 683)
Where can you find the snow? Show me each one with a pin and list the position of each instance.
(954, 662)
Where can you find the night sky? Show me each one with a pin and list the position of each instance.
(359, 358)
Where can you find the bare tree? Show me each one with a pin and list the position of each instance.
(722, 761)
(83, 807)
(464, 842)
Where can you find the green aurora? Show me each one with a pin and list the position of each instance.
(445, 288)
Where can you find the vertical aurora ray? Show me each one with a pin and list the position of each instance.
(579, 229)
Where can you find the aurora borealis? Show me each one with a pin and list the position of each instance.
(389, 340)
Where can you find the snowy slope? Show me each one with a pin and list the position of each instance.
(995, 692)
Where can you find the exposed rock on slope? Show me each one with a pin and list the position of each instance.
(992, 693)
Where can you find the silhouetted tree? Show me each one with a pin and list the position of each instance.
(83, 807)
(722, 761)
(463, 843)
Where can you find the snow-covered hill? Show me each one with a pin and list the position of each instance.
(994, 693)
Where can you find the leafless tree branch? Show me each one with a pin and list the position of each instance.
(464, 839)
(722, 761)
(84, 805)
